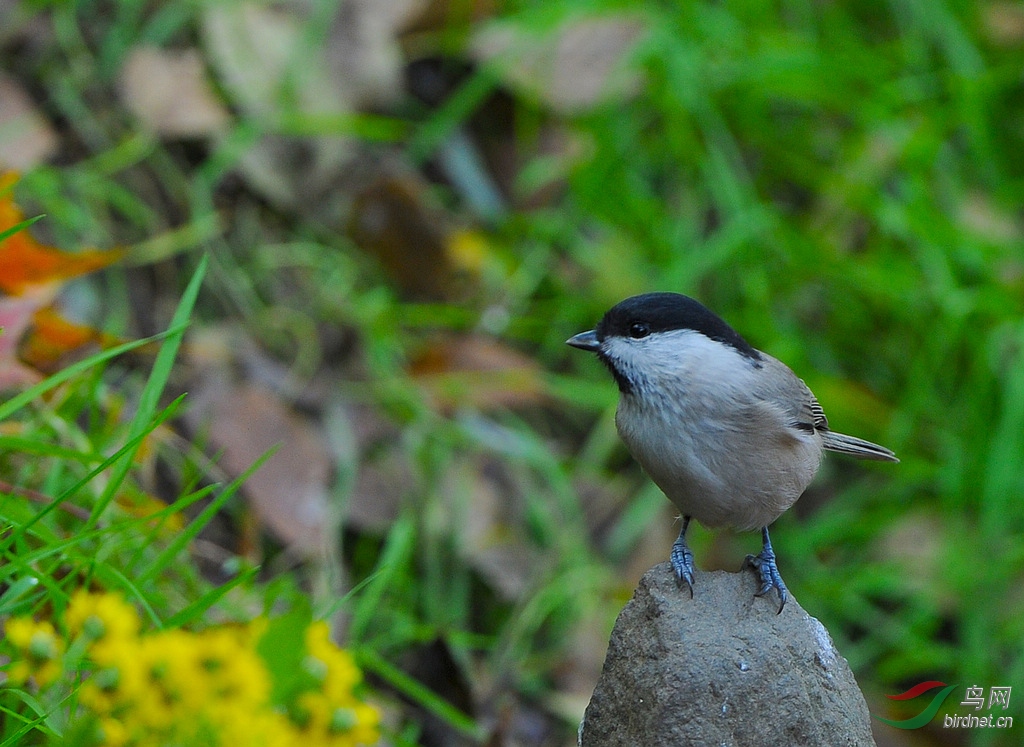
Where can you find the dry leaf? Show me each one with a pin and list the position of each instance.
(266, 64)
(1004, 22)
(476, 371)
(363, 48)
(52, 338)
(395, 221)
(578, 672)
(168, 91)
(28, 268)
(577, 67)
(915, 543)
(436, 15)
(381, 484)
(26, 137)
(289, 492)
(32, 274)
(263, 57)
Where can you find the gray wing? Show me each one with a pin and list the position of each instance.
(792, 395)
(807, 415)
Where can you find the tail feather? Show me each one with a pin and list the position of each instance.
(857, 447)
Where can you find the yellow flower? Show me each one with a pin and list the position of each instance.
(112, 733)
(173, 684)
(118, 687)
(232, 668)
(334, 666)
(334, 715)
(314, 712)
(263, 727)
(324, 722)
(101, 617)
(109, 623)
(209, 688)
(367, 726)
(19, 631)
(40, 649)
(179, 687)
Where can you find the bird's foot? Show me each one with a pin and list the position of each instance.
(682, 558)
(764, 563)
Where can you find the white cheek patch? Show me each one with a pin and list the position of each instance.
(665, 360)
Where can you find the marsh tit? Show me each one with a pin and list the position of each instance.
(730, 434)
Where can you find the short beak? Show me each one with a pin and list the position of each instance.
(585, 341)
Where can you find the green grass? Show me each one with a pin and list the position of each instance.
(52, 450)
(840, 181)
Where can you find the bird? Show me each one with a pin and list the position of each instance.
(730, 434)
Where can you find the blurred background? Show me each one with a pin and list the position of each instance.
(409, 205)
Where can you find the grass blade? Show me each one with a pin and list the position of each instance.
(150, 397)
(420, 693)
(195, 526)
(21, 399)
(207, 600)
(8, 232)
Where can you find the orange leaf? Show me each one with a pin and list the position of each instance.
(30, 268)
(52, 337)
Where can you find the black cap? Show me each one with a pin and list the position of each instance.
(649, 313)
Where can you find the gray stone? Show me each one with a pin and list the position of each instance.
(721, 669)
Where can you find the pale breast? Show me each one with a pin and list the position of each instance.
(740, 469)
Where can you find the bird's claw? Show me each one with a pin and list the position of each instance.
(764, 563)
(682, 558)
(682, 563)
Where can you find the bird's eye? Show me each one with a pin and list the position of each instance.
(638, 330)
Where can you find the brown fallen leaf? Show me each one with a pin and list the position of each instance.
(26, 137)
(264, 61)
(578, 671)
(260, 56)
(382, 483)
(1004, 23)
(289, 492)
(395, 220)
(363, 48)
(915, 544)
(476, 371)
(575, 68)
(436, 15)
(169, 93)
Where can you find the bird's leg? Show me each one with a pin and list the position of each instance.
(764, 562)
(682, 558)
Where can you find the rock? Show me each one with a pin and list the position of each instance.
(721, 669)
